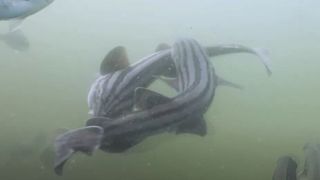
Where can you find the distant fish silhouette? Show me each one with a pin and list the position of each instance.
(311, 169)
(16, 11)
(15, 40)
(286, 169)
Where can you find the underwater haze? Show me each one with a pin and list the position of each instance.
(43, 90)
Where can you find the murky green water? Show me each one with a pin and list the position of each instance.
(45, 88)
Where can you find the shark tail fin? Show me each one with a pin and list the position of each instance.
(115, 60)
(85, 140)
(224, 49)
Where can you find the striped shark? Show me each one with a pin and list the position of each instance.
(112, 94)
(183, 113)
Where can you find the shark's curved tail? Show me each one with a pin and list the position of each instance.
(85, 140)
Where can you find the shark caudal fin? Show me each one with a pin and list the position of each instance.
(162, 46)
(85, 140)
(224, 49)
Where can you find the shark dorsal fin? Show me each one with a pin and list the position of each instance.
(162, 46)
(145, 98)
(171, 71)
(115, 60)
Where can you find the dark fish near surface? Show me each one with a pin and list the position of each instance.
(18, 10)
(286, 169)
(312, 162)
(183, 113)
(12, 9)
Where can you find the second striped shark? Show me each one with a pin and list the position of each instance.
(157, 113)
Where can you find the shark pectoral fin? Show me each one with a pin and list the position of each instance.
(145, 98)
(162, 46)
(223, 82)
(85, 140)
(15, 24)
(115, 60)
(193, 125)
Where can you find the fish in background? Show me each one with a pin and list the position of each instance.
(16, 11)
(15, 40)
(197, 82)
(286, 169)
(311, 170)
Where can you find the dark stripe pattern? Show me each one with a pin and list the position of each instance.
(111, 95)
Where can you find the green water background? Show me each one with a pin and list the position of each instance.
(45, 88)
